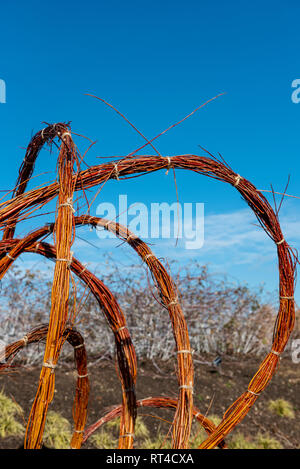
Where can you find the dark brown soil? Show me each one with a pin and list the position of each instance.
(214, 392)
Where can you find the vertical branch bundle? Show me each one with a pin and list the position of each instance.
(82, 387)
(63, 232)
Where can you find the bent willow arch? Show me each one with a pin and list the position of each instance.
(60, 328)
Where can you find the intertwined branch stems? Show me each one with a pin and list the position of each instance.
(75, 339)
(18, 208)
(125, 350)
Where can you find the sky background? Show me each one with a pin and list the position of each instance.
(156, 62)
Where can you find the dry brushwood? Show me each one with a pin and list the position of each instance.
(22, 204)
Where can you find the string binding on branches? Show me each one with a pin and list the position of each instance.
(42, 133)
(186, 386)
(173, 302)
(148, 255)
(115, 174)
(78, 346)
(84, 268)
(254, 393)
(237, 180)
(49, 365)
(69, 261)
(10, 257)
(186, 351)
(25, 340)
(141, 401)
(107, 224)
(131, 236)
(169, 164)
(69, 203)
(64, 135)
(275, 353)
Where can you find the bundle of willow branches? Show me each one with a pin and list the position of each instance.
(75, 339)
(22, 204)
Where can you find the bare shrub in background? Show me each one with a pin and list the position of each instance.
(223, 317)
(25, 302)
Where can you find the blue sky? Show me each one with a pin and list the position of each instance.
(156, 62)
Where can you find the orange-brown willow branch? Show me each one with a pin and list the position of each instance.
(44, 136)
(156, 402)
(144, 165)
(74, 338)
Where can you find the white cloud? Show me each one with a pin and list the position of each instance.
(232, 244)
